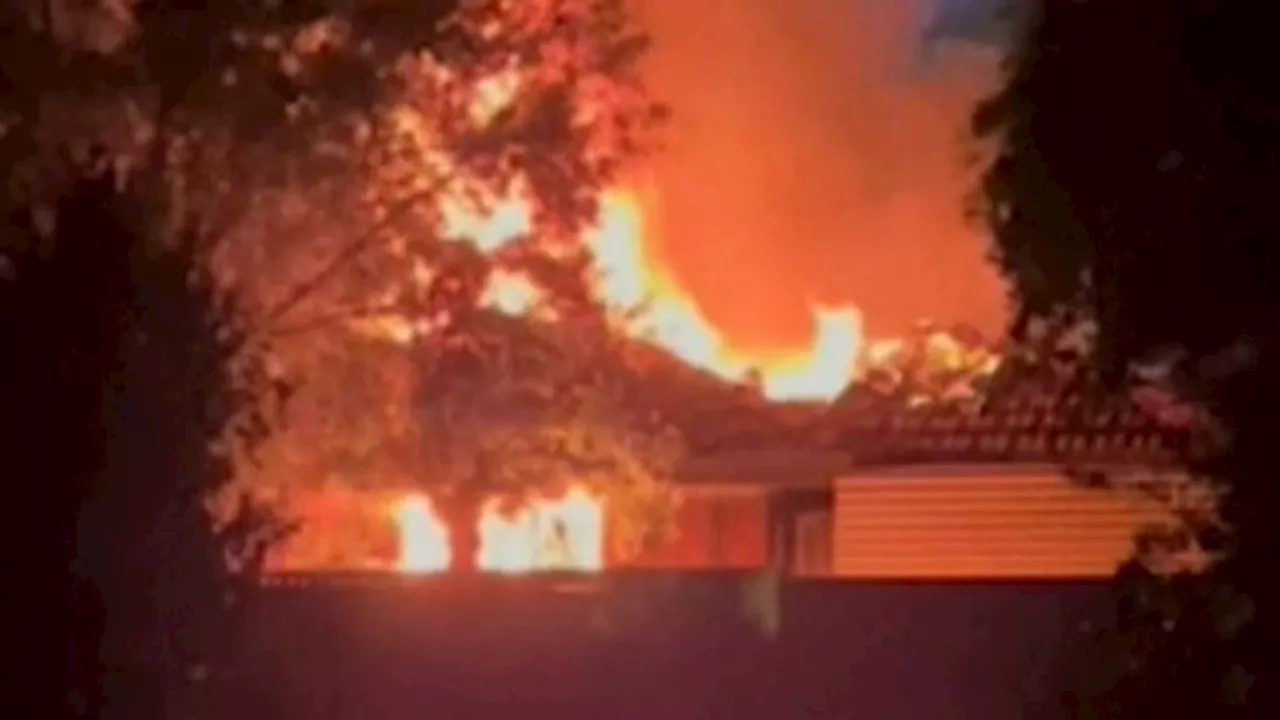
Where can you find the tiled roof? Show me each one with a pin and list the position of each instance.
(1071, 431)
(1035, 424)
(884, 431)
(1023, 425)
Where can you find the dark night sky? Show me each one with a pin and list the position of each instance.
(814, 155)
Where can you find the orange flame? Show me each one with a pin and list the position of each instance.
(628, 280)
(424, 538)
(670, 318)
(662, 313)
(561, 534)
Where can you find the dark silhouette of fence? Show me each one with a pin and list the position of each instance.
(650, 647)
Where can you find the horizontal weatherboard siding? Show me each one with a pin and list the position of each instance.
(989, 526)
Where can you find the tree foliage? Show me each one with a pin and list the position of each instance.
(511, 408)
(1129, 194)
(146, 78)
(523, 111)
(137, 400)
(502, 137)
(343, 148)
(243, 109)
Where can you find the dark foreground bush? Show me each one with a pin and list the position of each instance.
(132, 388)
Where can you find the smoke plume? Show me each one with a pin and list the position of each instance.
(816, 155)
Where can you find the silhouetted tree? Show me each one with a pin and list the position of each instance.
(337, 143)
(130, 394)
(198, 94)
(264, 90)
(509, 408)
(511, 132)
(1130, 196)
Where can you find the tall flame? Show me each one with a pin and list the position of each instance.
(663, 313)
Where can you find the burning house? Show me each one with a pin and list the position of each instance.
(870, 485)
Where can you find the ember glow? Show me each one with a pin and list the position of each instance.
(561, 534)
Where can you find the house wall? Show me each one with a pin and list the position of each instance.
(977, 523)
(725, 528)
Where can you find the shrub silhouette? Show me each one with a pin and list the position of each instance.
(131, 390)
